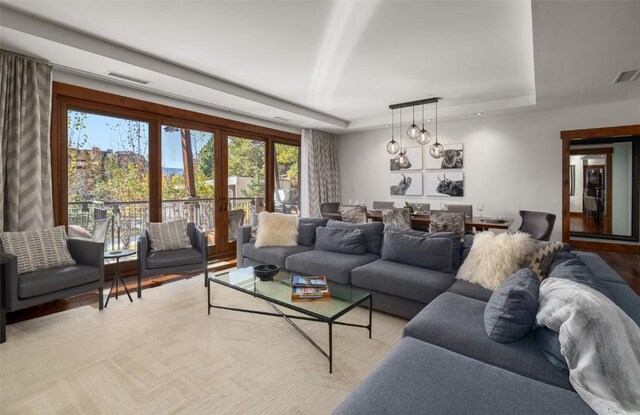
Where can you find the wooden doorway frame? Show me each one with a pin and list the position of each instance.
(608, 152)
(612, 133)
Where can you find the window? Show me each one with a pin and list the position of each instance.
(287, 179)
(108, 177)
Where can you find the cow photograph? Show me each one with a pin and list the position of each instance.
(415, 159)
(447, 184)
(453, 158)
(405, 184)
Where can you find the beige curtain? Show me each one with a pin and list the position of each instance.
(323, 174)
(25, 159)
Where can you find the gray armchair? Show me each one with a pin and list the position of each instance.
(34, 288)
(152, 263)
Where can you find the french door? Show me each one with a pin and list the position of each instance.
(214, 178)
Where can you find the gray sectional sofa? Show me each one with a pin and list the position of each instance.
(445, 362)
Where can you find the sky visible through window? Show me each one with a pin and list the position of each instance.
(100, 133)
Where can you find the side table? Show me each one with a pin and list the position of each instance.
(116, 280)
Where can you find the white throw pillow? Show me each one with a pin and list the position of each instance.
(276, 229)
(493, 258)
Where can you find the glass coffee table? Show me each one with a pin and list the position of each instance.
(277, 293)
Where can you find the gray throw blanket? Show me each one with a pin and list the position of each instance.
(599, 341)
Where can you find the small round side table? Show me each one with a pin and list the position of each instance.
(117, 255)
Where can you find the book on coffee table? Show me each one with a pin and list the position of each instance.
(319, 281)
(309, 288)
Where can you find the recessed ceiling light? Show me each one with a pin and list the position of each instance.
(387, 125)
(479, 113)
(428, 120)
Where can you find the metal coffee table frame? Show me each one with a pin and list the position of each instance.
(309, 315)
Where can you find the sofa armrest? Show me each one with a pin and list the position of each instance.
(243, 234)
(10, 291)
(201, 242)
(86, 252)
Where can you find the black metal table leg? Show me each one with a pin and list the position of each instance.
(370, 314)
(208, 297)
(330, 347)
(110, 290)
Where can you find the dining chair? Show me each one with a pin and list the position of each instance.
(329, 207)
(538, 224)
(353, 213)
(397, 217)
(466, 209)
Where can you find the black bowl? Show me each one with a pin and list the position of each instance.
(265, 272)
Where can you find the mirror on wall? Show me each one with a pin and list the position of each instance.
(603, 188)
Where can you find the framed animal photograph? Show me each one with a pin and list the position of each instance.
(415, 155)
(445, 183)
(405, 184)
(453, 158)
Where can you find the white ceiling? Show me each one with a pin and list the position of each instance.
(337, 65)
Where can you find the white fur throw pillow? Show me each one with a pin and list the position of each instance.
(493, 258)
(276, 229)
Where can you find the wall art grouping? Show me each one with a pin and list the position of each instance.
(415, 155)
(443, 178)
(453, 158)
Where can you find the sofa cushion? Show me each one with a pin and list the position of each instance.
(346, 241)
(456, 242)
(512, 308)
(401, 280)
(470, 290)
(33, 284)
(39, 249)
(174, 258)
(420, 378)
(428, 253)
(306, 233)
(373, 232)
(276, 229)
(316, 221)
(335, 266)
(168, 235)
(625, 298)
(274, 255)
(549, 343)
(456, 323)
(577, 271)
(601, 270)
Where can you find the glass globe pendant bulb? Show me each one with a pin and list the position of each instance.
(403, 160)
(413, 131)
(436, 150)
(393, 147)
(423, 137)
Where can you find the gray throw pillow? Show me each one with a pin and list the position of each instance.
(168, 236)
(456, 243)
(373, 232)
(577, 271)
(38, 250)
(512, 308)
(549, 344)
(431, 253)
(345, 241)
(306, 233)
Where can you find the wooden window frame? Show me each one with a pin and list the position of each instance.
(66, 97)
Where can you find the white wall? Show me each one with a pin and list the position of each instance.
(512, 162)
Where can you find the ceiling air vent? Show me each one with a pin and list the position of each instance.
(627, 76)
(279, 118)
(127, 78)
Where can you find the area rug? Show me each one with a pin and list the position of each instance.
(164, 354)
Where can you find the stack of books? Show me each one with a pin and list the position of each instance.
(309, 288)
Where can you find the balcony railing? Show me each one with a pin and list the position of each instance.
(130, 218)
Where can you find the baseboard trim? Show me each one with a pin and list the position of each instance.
(603, 246)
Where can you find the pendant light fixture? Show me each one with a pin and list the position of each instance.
(423, 136)
(403, 160)
(413, 131)
(392, 146)
(437, 149)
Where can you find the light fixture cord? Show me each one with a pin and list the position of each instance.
(423, 116)
(401, 138)
(393, 133)
(414, 115)
(436, 121)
